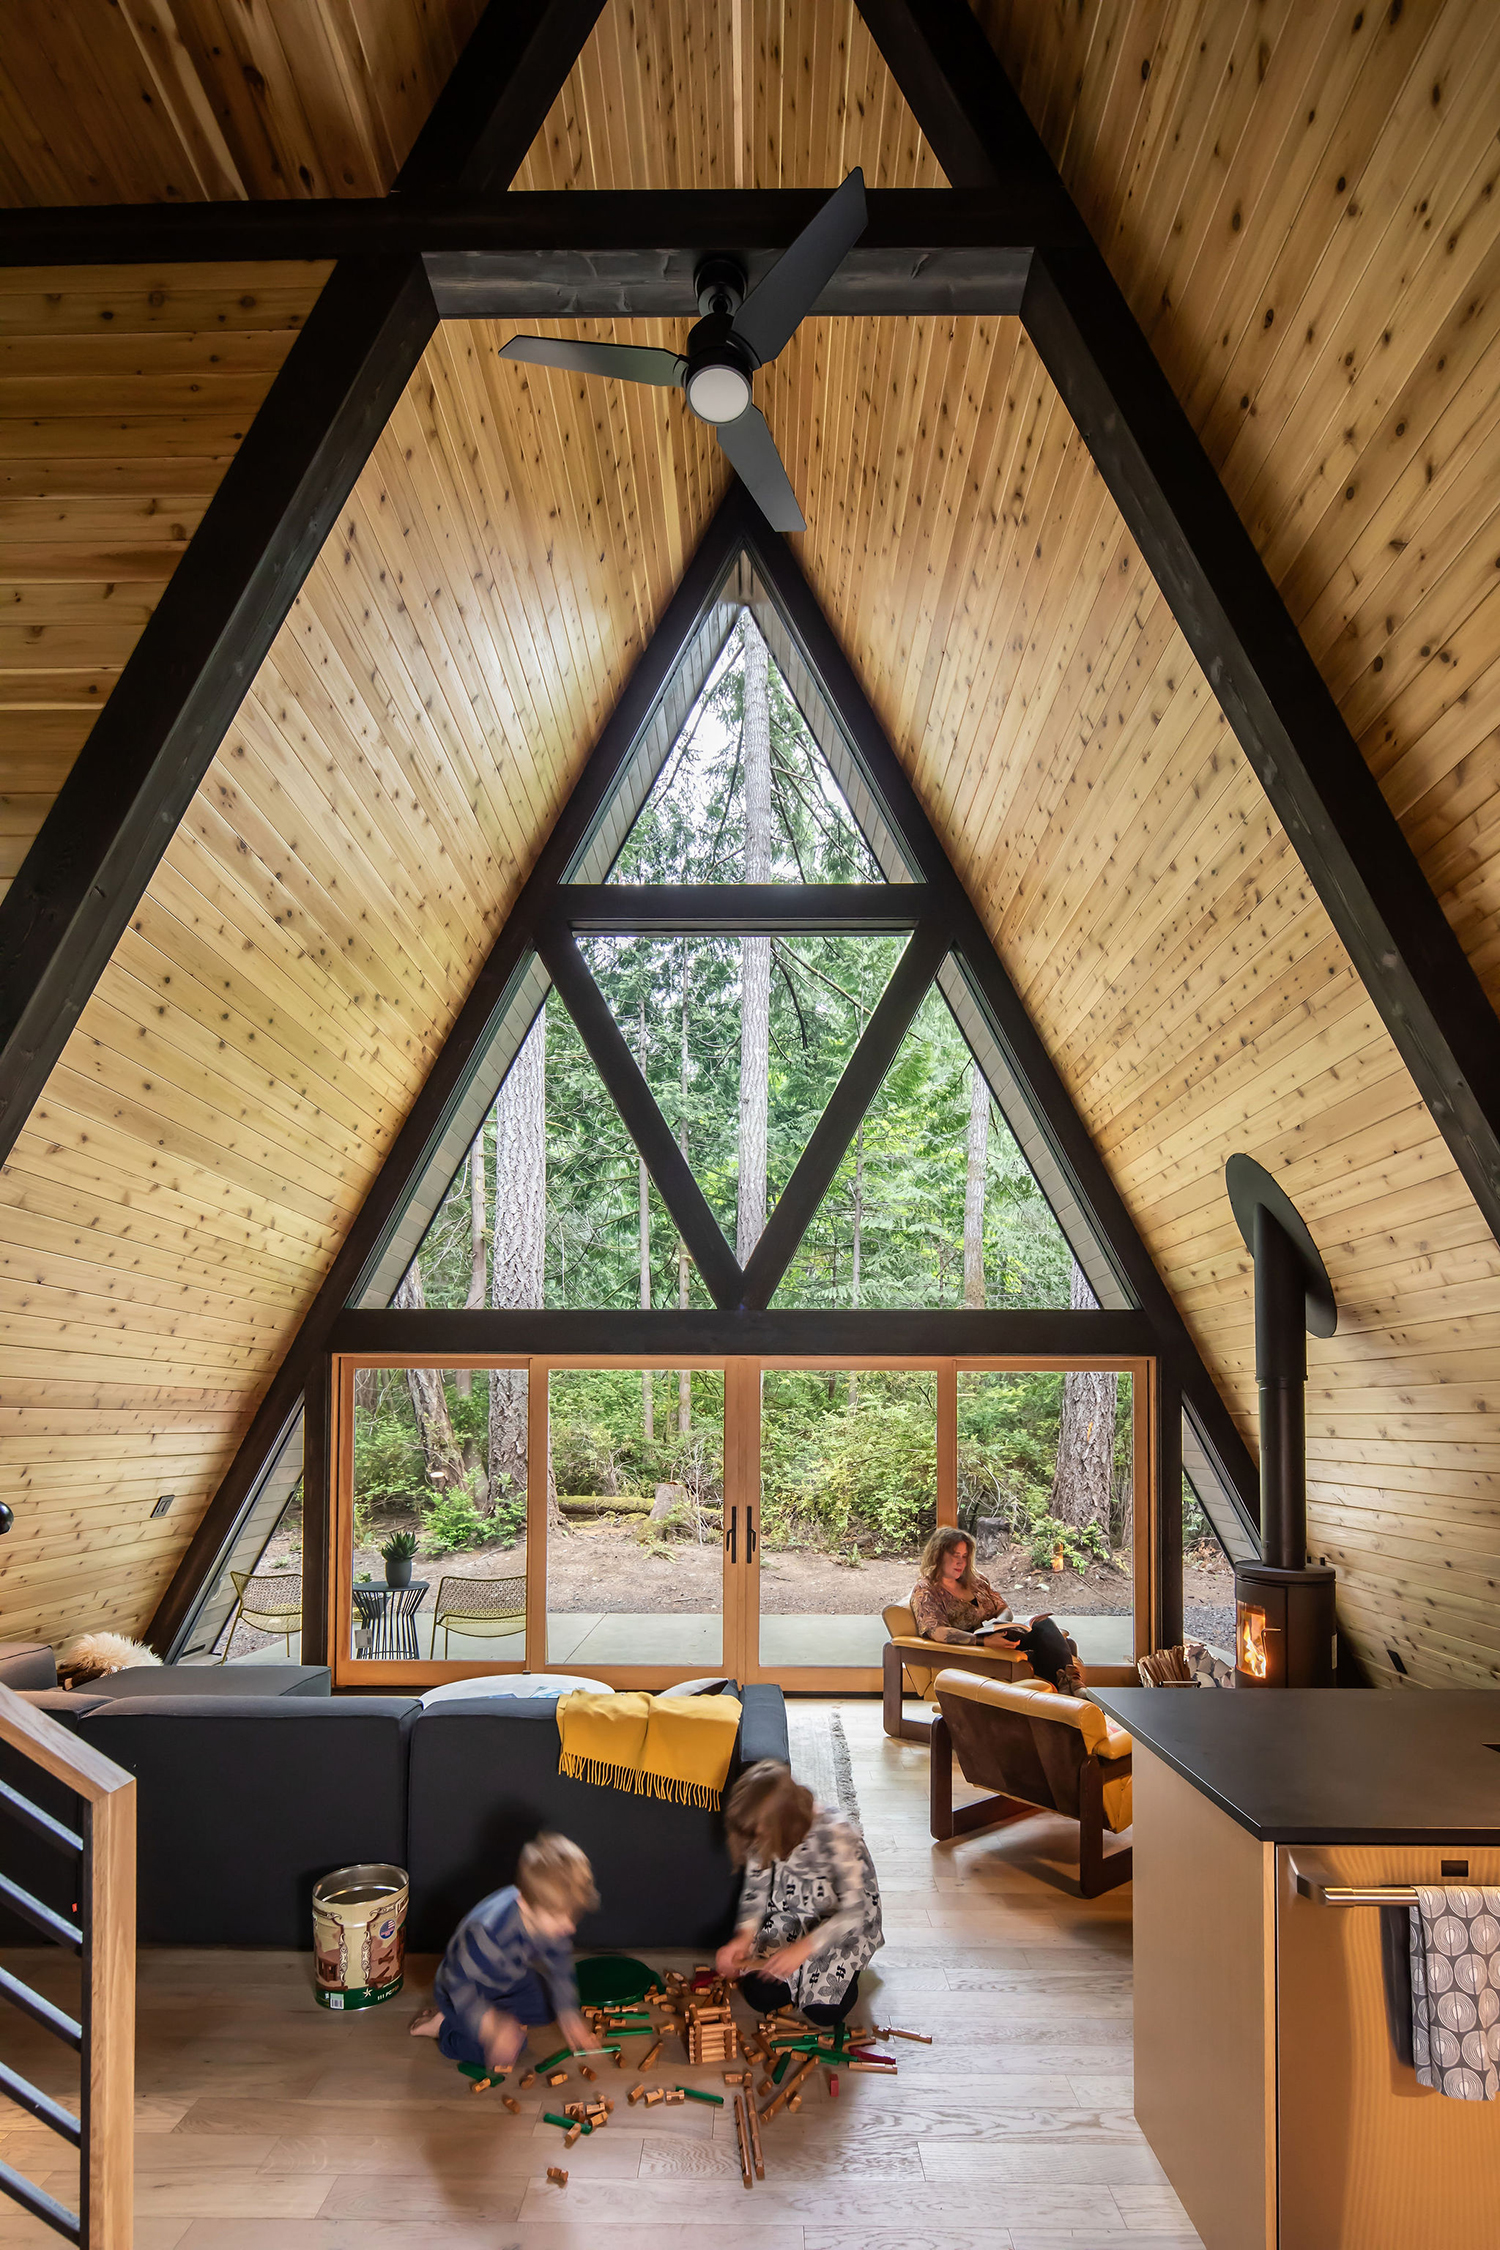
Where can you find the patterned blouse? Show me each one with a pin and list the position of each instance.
(942, 1616)
(827, 1885)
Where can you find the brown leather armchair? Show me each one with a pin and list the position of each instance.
(1039, 1751)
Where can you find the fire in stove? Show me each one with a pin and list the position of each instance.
(1284, 1611)
(1250, 1641)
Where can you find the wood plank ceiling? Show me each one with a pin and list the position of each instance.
(1299, 203)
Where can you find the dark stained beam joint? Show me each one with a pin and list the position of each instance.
(740, 909)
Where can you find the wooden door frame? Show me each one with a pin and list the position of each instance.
(740, 1603)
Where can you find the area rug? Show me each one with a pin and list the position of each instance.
(820, 1754)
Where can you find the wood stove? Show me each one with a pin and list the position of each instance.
(1284, 1611)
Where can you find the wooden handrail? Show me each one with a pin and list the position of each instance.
(105, 2034)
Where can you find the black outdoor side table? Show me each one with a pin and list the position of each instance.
(389, 1615)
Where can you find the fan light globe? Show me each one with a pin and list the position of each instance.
(718, 393)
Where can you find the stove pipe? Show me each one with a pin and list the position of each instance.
(1284, 1611)
(1281, 1373)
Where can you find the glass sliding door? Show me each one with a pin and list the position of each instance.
(431, 1548)
(635, 1519)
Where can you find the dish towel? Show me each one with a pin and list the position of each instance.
(678, 1747)
(1455, 1991)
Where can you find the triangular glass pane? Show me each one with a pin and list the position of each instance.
(695, 825)
(899, 1218)
(553, 1113)
(681, 1005)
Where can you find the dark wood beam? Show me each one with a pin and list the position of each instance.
(1047, 1097)
(859, 1083)
(660, 1339)
(632, 1097)
(461, 1053)
(157, 735)
(741, 909)
(585, 252)
(1287, 722)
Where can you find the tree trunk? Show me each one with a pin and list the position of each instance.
(478, 1271)
(684, 1375)
(445, 1467)
(755, 954)
(1086, 1440)
(648, 1413)
(979, 1152)
(518, 1260)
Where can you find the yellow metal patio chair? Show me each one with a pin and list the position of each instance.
(481, 1608)
(271, 1599)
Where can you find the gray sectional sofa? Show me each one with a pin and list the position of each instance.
(246, 1798)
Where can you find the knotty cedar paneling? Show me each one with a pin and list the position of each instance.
(124, 395)
(729, 94)
(145, 101)
(264, 1025)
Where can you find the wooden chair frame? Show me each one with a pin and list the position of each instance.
(1098, 1870)
(898, 1654)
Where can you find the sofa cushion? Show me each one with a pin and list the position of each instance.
(245, 1802)
(202, 1680)
(521, 1687)
(484, 1781)
(27, 1664)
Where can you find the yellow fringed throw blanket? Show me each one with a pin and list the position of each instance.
(672, 1746)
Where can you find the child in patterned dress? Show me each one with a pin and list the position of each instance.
(809, 1914)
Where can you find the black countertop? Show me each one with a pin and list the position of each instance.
(1330, 1765)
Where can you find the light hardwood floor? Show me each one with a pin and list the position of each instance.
(267, 2124)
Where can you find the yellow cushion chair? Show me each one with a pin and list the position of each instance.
(1040, 1751)
(910, 1665)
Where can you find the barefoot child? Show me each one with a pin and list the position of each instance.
(510, 1964)
(809, 1912)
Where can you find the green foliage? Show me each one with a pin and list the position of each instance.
(453, 1522)
(857, 1476)
(1044, 1535)
(400, 1547)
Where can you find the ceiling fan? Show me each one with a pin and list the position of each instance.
(737, 334)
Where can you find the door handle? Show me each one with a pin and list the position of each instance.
(752, 1538)
(731, 1536)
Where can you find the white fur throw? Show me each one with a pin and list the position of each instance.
(93, 1656)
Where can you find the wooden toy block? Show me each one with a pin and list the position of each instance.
(742, 2135)
(880, 2069)
(655, 2095)
(777, 2101)
(649, 2057)
(737, 2077)
(833, 2085)
(754, 2124)
(571, 2135)
(511, 2104)
(872, 2054)
(556, 2174)
(528, 2078)
(674, 2094)
(766, 2086)
(795, 2102)
(585, 2072)
(923, 2038)
(557, 2078)
(481, 2085)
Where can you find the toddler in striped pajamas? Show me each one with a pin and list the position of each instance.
(510, 1964)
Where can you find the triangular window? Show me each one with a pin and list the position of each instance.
(934, 1205)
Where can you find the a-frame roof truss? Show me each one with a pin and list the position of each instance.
(739, 563)
(1004, 237)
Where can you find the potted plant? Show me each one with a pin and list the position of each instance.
(397, 1553)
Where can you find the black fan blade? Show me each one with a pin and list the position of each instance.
(756, 462)
(777, 305)
(634, 363)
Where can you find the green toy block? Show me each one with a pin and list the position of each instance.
(782, 2067)
(696, 2094)
(479, 2070)
(567, 2123)
(564, 2054)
